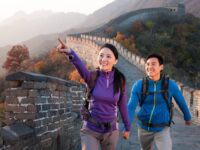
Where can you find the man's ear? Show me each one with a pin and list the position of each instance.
(162, 67)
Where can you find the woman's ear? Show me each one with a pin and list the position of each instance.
(116, 61)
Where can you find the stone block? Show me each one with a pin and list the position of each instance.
(33, 93)
(21, 116)
(31, 109)
(13, 133)
(11, 100)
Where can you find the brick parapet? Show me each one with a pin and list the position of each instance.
(45, 105)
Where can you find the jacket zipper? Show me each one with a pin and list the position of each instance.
(154, 103)
(107, 80)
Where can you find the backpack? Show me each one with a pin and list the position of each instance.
(165, 94)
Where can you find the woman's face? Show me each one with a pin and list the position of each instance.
(106, 59)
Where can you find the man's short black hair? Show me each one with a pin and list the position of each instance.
(159, 57)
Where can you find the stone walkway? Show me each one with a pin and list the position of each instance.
(183, 137)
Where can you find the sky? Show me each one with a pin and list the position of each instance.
(10, 7)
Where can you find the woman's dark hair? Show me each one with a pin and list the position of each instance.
(119, 78)
(112, 48)
(119, 81)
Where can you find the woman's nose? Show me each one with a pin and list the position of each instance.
(104, 59)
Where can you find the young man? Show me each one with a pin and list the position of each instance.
(154, 116)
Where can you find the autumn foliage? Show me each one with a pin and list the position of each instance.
(17, 59)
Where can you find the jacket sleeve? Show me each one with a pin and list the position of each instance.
(133, 100)
(122, 104)
(80, 66)
(178, 97)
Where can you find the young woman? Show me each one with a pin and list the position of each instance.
(108, 94)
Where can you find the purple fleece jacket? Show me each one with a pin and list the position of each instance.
(103, 103)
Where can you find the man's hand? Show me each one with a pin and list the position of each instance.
(62, 47)
(125, 135)
(188, 123)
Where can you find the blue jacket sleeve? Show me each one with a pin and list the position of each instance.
(178, 97)
(133, 100)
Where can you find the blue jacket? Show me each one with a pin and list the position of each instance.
(154, 109)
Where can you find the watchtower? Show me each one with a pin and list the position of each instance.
(176, 7)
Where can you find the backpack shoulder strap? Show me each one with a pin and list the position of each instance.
(170, 105)
(144, 91)
(94, 76)
(165, 86)
(90, 86)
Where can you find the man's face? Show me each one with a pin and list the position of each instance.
(153, 68)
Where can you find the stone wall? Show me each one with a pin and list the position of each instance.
(41, 113)
(191, 95)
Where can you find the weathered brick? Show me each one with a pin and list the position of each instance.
(77, 98)
(46, 144)
(25, 115)
(11, 100)
(15, 108)
(40, 85)
(64, 116)
(54, 126)
(27, 100)
(61, 111)
(9, 121)
(55, 93)
(77, 101)
(8, 115)
(19, 92)
(63, 94)
(55, 119)
(54, 106)
(53, 100)
(46, 135)
(62, 88)
(62, 105)
(38, 107)
(33, 93)
(52, 113)
(31, 108)
(51, 86)
(30, 123)
(46, 121)
(41, 130)
(41, 115)
(41, 100)
(45, 107)
(61, 99)
(45, 93)
(14, 84)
